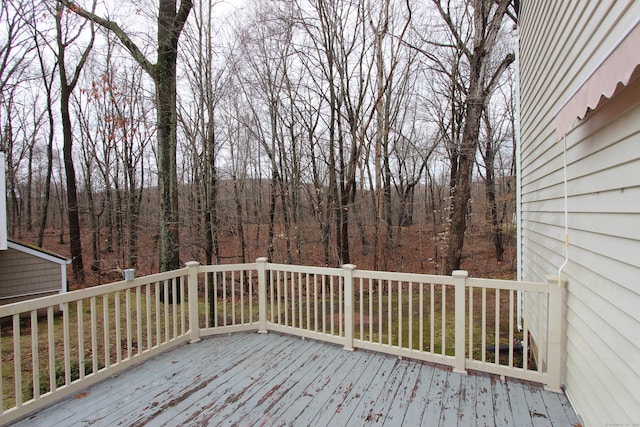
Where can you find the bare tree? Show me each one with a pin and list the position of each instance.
(48, 76)
(483, 75)
(393, 69)
(15, 40)
(199, 116)
(66, 35)
(340, 59)
(171, 21)
(112, 109)
(20, 123)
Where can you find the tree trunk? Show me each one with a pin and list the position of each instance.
(118, 211)
(462, 190)
(95, 224)
(238, 193)
(211, 212)
(489, 157)
(29, 219)
(44, 209)
(61, 206)
(167, 146)
(75, 243)
(135, 199)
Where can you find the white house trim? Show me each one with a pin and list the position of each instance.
(3, 205)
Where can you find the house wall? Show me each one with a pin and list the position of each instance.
(23, 275)
(561, 44)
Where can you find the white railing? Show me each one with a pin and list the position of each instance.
(453, 320)
(54, 346)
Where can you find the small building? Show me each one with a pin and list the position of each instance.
(26, 271)
(579, 190)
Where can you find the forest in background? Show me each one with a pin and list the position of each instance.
(320, 132)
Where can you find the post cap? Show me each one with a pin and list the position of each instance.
(460, 273)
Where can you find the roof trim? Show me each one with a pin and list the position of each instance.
(618, 68)
(38, 252)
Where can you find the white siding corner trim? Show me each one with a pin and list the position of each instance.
(616, 70)
(3, 206)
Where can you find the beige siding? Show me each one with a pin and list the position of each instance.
(562, 42)
(23, 274)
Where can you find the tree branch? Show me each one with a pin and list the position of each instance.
(83, 58)
(454, 31)
(124, 38)
(181, 16)
(496, 22)
(508, 60)
(513, 15)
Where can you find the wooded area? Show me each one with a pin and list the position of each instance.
(186, 127)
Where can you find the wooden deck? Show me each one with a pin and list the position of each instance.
(249, 379)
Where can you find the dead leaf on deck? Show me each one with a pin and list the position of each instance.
(81, 395)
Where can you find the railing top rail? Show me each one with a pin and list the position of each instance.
(227, 267)
(330, 271)
(404, 277)
(44, 302)
(508, 285)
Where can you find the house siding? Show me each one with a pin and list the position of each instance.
(24, 274)
(562, 43)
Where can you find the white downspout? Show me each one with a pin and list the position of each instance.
(566, 211)
(519, 300)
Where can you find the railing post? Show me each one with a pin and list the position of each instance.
(460, 285)
(261, 264)
(194, 324)
(348, 306)
(555, 333)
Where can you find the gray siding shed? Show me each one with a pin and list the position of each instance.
(29, 272)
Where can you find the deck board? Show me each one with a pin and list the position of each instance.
(467, 411)
(279, 406)
(331, 397)
(518, 401)
(537, 409)
(248, 379)
(375, 396)
(450, 398)
(271, 398)
(260, 388)
(434, 397)
(387, 406)
(502, 407)
(306, 405)
(405, 394)
(418, 396)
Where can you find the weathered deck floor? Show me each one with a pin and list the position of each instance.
(249, 379)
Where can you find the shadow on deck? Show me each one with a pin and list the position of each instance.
(251, 379)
